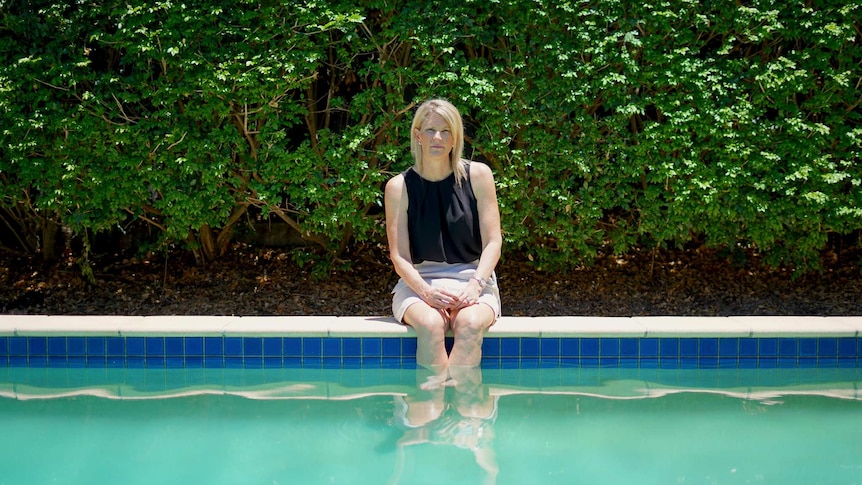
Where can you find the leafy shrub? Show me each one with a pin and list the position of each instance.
(610, 125)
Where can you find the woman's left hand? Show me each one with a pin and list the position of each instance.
(468, 296)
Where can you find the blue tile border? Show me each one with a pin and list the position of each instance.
(400, 352)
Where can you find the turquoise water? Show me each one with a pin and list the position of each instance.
(518, 427)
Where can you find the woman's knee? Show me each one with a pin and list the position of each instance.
(474, 322)
(425, 320)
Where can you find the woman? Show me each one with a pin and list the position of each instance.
(443, 227)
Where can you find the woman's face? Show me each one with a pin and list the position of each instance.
(435, 136)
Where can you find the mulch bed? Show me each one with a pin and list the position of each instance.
(255, 281)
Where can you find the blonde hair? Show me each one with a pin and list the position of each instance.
(450, 114)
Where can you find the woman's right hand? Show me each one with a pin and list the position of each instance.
(440, 298)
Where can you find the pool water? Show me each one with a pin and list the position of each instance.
(355, 427)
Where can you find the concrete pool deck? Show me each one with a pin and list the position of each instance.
(355, 326)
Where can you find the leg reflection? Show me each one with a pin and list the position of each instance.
(460, 413)
(427, 402)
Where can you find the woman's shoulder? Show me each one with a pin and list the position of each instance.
(478, 169)
(399, 178)
(396, 183)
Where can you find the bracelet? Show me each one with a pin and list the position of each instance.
(482, 282)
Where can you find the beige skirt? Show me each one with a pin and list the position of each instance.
(444, 275)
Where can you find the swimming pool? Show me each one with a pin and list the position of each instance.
(376, 426)
(318, 400)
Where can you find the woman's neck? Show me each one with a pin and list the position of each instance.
(434, 170)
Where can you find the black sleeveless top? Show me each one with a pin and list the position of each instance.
(442, 219)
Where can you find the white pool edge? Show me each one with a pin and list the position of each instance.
(360, 326)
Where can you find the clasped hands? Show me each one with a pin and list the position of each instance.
(449, 301)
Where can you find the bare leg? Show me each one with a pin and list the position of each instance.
(469, 325)
(471, 398)
(428, 402)
(430, 325)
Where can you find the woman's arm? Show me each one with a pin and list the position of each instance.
(489, 228)
(395, 200)
(489, 218)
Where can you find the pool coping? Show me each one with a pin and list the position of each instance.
(379, 326)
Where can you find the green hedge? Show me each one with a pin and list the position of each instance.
(608, 124)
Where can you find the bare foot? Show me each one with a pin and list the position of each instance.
(434, 382)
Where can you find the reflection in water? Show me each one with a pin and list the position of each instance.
(456, 411)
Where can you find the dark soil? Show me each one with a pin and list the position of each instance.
(254, 281)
